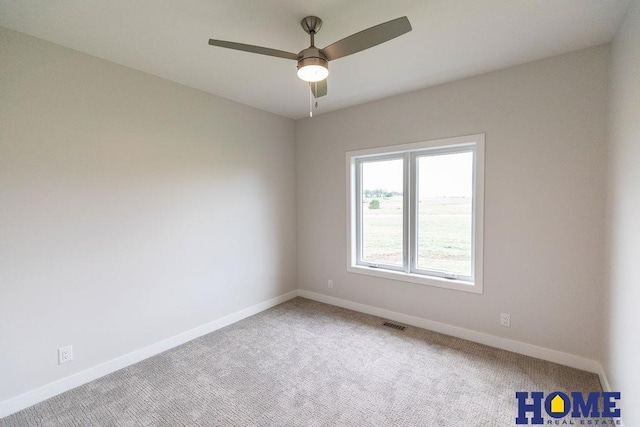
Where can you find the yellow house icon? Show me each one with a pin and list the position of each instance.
(557, 404)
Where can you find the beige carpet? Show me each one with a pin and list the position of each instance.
(304, 363)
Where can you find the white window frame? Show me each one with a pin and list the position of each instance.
(409, 271)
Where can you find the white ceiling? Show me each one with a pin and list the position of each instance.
(451, 39)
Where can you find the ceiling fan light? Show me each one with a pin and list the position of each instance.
(313, 73)
(313, 69)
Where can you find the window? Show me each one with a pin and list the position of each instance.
(416, 212)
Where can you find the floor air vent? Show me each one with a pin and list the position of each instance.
(394, 326)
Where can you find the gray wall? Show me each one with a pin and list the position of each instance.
(131, 209)
(545, 125)
(622, 337)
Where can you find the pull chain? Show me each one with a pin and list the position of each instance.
(311, 103)
(316, 83)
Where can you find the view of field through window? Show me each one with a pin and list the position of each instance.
(382, 212)
(444, 229)
(445, 216)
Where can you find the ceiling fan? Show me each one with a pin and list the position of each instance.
(313, 63)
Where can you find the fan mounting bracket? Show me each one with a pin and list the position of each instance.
(311, 24)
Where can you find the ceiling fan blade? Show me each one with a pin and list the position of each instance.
(319, 88)
(254, 49)
(367, 38)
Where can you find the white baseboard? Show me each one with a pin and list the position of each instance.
(47, 391)
(604, 382)
(555, 356)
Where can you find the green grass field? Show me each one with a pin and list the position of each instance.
(444, 233)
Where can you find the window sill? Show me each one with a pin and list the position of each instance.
(458, 285)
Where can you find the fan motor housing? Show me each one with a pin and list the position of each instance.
(312, 56)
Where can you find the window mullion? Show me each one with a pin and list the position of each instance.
(408, 221)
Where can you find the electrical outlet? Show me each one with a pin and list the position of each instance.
(330, 284)
(505, 320)
(65, 354)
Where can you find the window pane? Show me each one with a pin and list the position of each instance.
(445, 217)
(382, 212)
